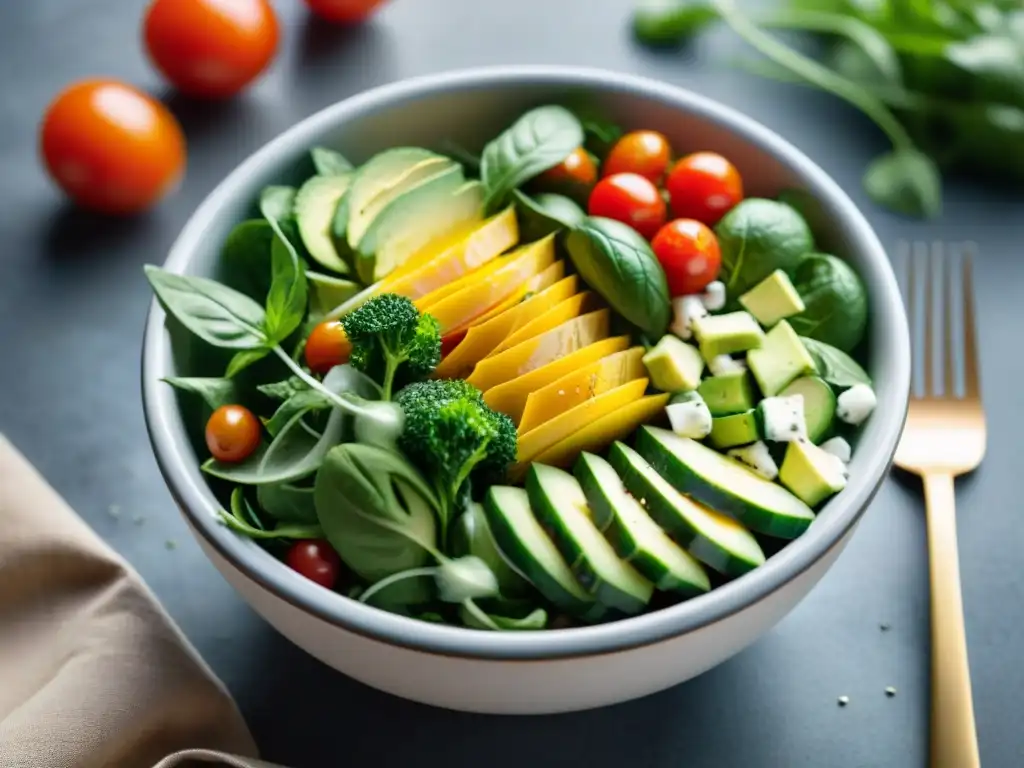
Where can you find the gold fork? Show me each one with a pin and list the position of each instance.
(944, 437)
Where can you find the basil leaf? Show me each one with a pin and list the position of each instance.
(282, 390)
(245, 258)
(287, 503)
(835, 366)
(219, 315)
(286, 301)
(545, 213)
(537, 141)
(329, 162)
(214, 391)
(299, 403)
(616, 262)
(244, 359)
(235, 520)
(906, 181)
(835, 302)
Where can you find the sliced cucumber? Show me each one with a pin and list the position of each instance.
(819, 405)
(562, 510)
(633, 534)
(315, 205)
(716, 540)
(724, 484)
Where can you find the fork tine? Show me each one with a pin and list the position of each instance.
(929, 318)
(947, 286)
(971, 386)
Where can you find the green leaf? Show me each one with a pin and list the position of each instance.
(287, 503)
(245, 258)
(835, 302)
(835, 366)
(282, 390)
(475, 617)
(465, 578)
(545, 213)
(235, 520)
(302, 402)
(670, 22)
(329, 162)
(218, 315)
(905, 181)
(472, 536)
(244, 359)
(215, 391)
(286, 301)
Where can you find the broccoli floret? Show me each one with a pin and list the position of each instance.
(389, 336)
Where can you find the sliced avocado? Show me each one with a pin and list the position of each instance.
(674, 365)
(315, 205)
(327, 292)
(812, 473)
(725, 334)
(773, 299)
(735, 429)
(779, 360)
(728, 393)
(819, 405)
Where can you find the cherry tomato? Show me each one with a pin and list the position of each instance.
(326, 347)
(110, 147)
(688, 252)
(577, 168)
(316, 560)
(344, 11)
(703, 186)
(211, 48)
(232, 433)
(631, 199)
(644, 152)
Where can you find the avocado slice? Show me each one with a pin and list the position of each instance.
(728, 393)
(316, 202)
(781, 359)
(735, 429)
(811, 473)
(674, 365)
(773, 299)
(725, 334)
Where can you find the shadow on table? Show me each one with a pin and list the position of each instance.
(73, 235)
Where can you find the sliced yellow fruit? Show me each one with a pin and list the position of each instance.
(538, 440)
(545, 279)
(582, 385)
(510, 397)
(600, 433)
(477, 297)
(565, 311)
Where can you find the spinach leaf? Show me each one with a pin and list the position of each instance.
(287, 503)
(214, 391)
(835, 366)
(329, 162)
(835, 302)
(475, 617)
(614, 260)
(376, 510)
(299, 403)
(545, 213)
(537, 141)
(905, 181)
(240, 509)
(286, 301)
(245, 258)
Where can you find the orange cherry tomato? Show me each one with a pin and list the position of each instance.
(344, 11)
(211, 48)
(644, 152)
(232, 433)
(631, 199)
(688, 252)
(703, 186)
(326, 347)
(577, 168)
(110, 147)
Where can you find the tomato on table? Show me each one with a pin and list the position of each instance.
(232, 433)
(316, 560)
(326, 347)
(344, 11)
(703, 186)
(211, 48)
(646, 153)
(110, 147)
(688, 252)
(631, 199)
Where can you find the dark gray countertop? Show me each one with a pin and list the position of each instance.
(72, 302)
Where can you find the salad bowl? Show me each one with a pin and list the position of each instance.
(564, 669)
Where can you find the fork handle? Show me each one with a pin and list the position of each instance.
(954, 741)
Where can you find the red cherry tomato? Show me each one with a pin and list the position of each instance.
(326, 347)
(689, 254)
(644, 152)
(232, 433)
(316, 560)
(344, 11)
(577, 168)
(211, 48)
(631, 199)
(703, 186)
(111, 147)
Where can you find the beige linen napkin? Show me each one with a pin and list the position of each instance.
(93, 673)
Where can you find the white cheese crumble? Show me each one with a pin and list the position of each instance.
(758, 458)
(839, 448)
(686, 309)
(855, 404)
(714, 296)
(690, 418)
(833, 470)
(783, 418)
(723, 364)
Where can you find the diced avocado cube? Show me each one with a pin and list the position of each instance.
(728, 333)
(780, 360)
(737, 429)
(773, 299)
(811, 473)
(728, 393)
(674, 365)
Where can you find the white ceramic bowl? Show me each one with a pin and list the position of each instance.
(550, 671)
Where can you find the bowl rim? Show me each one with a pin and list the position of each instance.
(198, 504)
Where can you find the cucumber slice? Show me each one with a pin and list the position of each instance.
(524, 545)
(819, 405)
(561, 508)
(633, 534)
(724, 484)
(715, 539)
(315, 205)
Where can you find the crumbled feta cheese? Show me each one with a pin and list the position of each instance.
(839, 448)
(714, 296)
(855, 404)
(686, 309)
(758, 458)
(833, 470)
(723, 364)
(783, 418)
(690, 418)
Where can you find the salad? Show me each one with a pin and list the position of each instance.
(566, 380)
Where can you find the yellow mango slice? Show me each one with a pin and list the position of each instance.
(538, 440)
(476, 298)
(540, 350)
(545, 279)
(582, 385)
(602, 432)
(510, 397)
(565, 311)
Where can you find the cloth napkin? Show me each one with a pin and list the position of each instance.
(93, 673)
